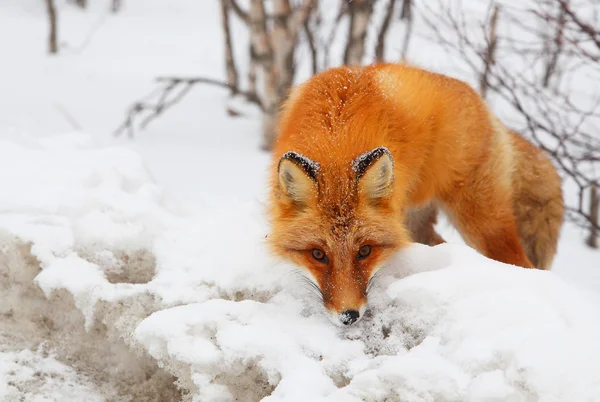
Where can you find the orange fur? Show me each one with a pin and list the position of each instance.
(448, 150)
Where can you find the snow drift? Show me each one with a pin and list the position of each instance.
(130, 293)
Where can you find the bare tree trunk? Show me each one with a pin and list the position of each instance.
(360, 14)
(52, 16)
(284, 36)
(232, 74)
(407, 15)
(489, 55)
(263, 56)
(283, 46)
(116, 6)
(406, 11)
(278, 65)
(557, 48)
(252, 73)
(380, 49)
(592, 240)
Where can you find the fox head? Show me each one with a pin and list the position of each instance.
(336, 219)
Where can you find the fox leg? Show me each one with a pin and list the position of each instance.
(488, 226)
(420, 221)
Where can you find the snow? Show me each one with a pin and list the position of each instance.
(483, 331)
(446, 322)
(132, 268)
(33, 377)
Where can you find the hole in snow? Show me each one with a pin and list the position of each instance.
(249, 385)
(138, 266)
(124, 266)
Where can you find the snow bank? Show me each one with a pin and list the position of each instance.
(469, 330)
(126, 284)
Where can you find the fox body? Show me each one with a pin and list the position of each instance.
(366, 156)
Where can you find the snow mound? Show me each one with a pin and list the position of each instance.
(170, 301)
(469, 330)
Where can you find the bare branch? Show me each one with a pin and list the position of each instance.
(116, 5)
(52, 37)
(243, 15)
(250, 97)
(556, 51)
(407, 15)
(380, 48)
(232, 74)
(489, 53)
(171, 93)
(300, 15)
(360, 15)
(406, 11)
(252, 72)
(592, 240)
(312, 46)
(589, 30)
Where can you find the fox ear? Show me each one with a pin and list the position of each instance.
(297, 176)
(375, 173)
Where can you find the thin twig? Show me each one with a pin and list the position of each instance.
(243, 15)
(172, 92)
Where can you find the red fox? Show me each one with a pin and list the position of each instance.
(364, 158)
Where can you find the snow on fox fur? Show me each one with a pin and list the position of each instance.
(444, 322)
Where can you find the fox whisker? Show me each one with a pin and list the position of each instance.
(309, 285)
(373, 281)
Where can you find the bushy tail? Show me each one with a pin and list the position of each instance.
(538, 202)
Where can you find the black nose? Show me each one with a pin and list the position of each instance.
(349, 316)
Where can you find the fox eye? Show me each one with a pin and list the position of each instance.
(319, 255)
(364, 252)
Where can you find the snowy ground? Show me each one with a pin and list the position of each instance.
(128, 266)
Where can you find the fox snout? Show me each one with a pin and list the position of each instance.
(349, 316)
(347, 305)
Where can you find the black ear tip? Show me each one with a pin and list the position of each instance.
(310, 167)
(362, 162)
(380, 151)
